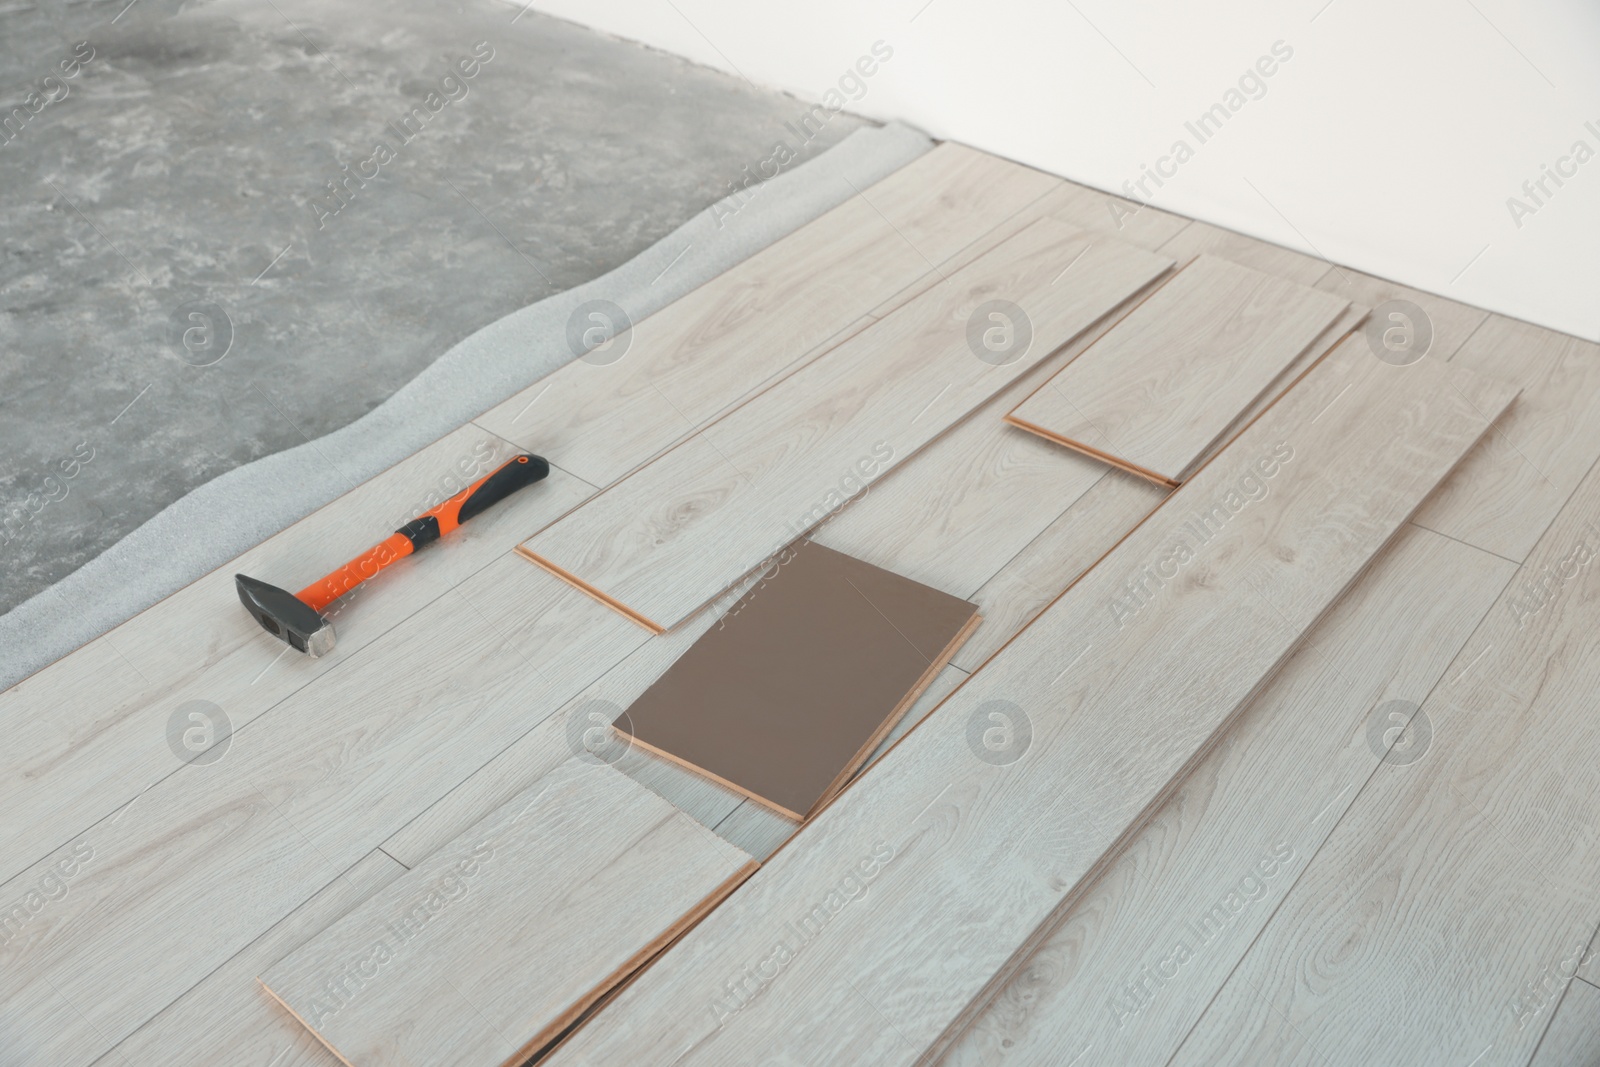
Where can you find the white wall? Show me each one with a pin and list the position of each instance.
(1390, 141)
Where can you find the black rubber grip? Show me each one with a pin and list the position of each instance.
(419, 532)
(521, 471)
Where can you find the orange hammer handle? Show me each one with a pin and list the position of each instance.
(319, 594)
(425, 528)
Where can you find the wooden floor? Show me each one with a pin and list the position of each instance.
(1329, 794)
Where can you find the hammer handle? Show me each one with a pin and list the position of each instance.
(482, 494)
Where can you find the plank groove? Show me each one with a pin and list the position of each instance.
(1515, 481)
(1573, 1037)
(1137, 959)
(548, 744)
(231, 847)
(973, 498)
(91, 732)
(1031, 580)
(968, 840)
(490, 947)
(227, 1017)
(660, 543)
(1477, 861)
(702, 355)
(1162, 387)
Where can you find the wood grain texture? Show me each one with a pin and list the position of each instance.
(491, 946)
(1589, 968)
(968, 841)
(744, 329)
(1163, 387)
(1137, 959)
(229, 848)
(1451, 323)
(975, 496)
(1076, 205)
(228, 1017)
(1032, 579)
(1518, 477)
(89, 733)
(1573, 1037)
(1201, 238)
(1477, 861)
(548, 744)
(663, 542)
(1091, 209)
(1335, 334)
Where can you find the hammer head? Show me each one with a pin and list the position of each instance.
(285, 616)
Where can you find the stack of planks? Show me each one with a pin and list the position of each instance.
(1130, 821)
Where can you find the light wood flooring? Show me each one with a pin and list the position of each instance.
(1326, 790)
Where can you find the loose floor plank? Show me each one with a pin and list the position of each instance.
(1163, 387)
(1518, 477)
(491, 946)
(91, 732)
(1090, 209)
(1449, 323)
(1032, 579)
(578, 724)
(1137, 959)
(231, 847)
(703, 354)
(789, 695)
(1200, 238)
(662, 543)
(228, 1017)
(866, 938)
(1477, 861)
(974, 497)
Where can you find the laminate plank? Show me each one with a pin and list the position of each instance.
(1090, 209)
(741, 331)
(545, 747)
(1449, 323)
(228, 1017)
(229, 848)
(661, 543)
(491, 946)
(92, 731)
(1137, 959)
(1330, 338)
(1509, 489)
(1076, 205)
(1573, 1037)
(756, 829)
(1477, 861)
(972, 499)
(1061, 553)
(1201, 238)
(1163, 387)
(920, 889)
(1589, 966)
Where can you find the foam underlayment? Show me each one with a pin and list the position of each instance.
(244, 507)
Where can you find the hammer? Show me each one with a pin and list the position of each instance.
(297, 617)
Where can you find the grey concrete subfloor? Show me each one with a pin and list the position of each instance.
(178, 295)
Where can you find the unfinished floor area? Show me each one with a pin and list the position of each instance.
(219, 159)
(1273, 745)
